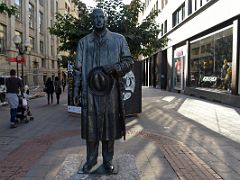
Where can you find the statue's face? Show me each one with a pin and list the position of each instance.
(98, 20)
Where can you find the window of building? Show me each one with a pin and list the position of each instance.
(41, 47)
(2, 38)
(40, 22)
(52, 50)
(18, 4)
(179, 15)
(31, 15)
(161, 29)
(165, 26)
(52, 7)
(44, 78)
(31, 39)
(44, 64)
(211, 67)
(162, 3)
(41, 2)
(189, 7)
(53, 64)
(56, 5)
(35, 64)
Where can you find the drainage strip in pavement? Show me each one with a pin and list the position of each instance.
(184, 162)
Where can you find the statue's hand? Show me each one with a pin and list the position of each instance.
(109, 69)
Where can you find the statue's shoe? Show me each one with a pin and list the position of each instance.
(109, 167)
(88, 166)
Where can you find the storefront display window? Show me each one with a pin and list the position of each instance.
(211, 61)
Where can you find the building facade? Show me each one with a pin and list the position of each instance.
(31, 23)
(202, 55)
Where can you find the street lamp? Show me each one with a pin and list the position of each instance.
(22, 49)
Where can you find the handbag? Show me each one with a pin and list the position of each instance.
(45, 89)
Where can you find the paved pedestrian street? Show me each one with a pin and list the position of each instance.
(175, 137)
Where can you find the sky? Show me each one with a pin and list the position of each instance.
(92, 3)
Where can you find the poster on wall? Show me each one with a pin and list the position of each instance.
(178, 72)
(71, 107)
(133, 90)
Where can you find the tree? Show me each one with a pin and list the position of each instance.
(142, 38)
(9, 10)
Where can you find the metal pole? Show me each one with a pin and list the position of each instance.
(17, 66)
(22, 74)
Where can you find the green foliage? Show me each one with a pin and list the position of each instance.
(142, 38)
(10, 10)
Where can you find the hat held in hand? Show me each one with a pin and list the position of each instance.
(100, 84)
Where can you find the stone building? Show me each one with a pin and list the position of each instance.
(31, 24)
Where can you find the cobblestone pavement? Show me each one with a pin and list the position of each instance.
(175, 137)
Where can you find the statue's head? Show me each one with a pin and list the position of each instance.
(99, 20)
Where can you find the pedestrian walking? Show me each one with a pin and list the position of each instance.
(14, 85)
(64, 82)
(58, 88)
(49, 88)
(103, 58)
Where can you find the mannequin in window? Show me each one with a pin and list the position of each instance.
(225, 74)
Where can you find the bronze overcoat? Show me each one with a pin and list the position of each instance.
(102, 117)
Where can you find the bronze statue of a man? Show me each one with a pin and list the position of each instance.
(103, 58)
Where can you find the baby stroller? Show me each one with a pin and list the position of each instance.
(22, 109)
(23, 112)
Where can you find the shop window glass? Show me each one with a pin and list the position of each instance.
(211, 61)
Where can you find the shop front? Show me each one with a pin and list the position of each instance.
(213, 65)
(211, 61)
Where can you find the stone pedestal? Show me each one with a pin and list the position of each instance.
(125, 163)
